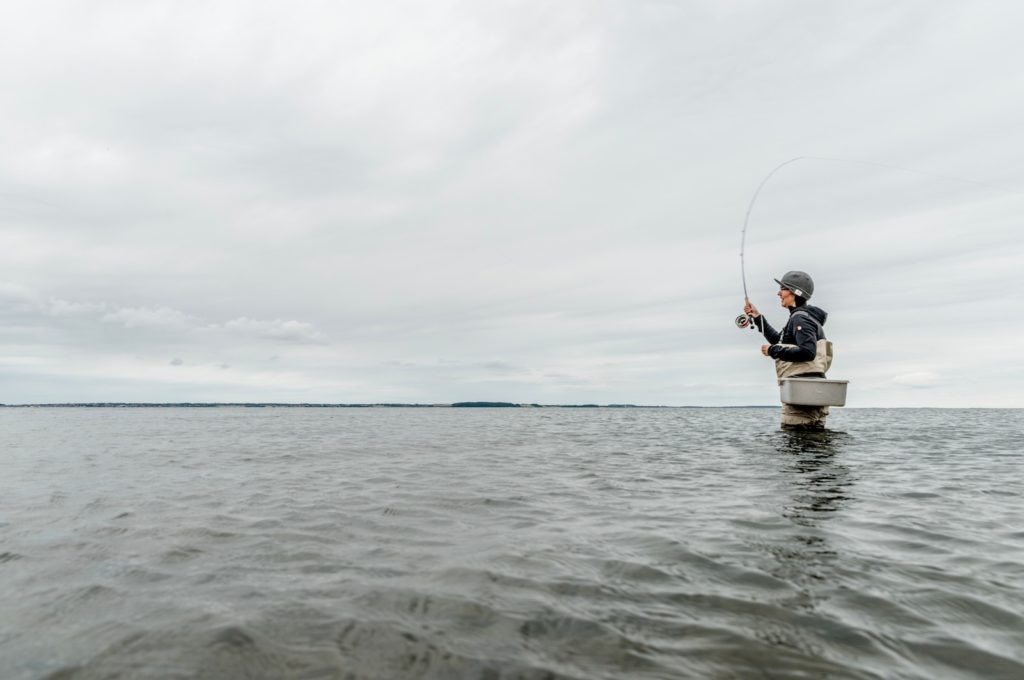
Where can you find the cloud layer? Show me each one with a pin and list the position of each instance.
(519, 201)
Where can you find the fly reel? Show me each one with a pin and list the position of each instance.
(745, 321)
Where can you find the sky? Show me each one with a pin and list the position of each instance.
(529, 201)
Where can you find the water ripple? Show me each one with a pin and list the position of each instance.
(464, 543)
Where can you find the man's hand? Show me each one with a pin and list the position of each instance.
(764, 349)
(750, 309)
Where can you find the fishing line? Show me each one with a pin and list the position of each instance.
(745, 320)
(746, 218)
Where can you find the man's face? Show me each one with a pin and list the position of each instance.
(786, 297)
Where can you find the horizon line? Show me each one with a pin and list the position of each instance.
(457, 404)
(382, 404)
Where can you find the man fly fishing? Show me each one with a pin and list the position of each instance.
(801, 349)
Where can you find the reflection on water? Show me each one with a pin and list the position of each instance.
(821, 481)
(814, 485)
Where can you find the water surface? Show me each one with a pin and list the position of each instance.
(510, 543)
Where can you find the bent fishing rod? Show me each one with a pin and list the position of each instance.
(746, 320)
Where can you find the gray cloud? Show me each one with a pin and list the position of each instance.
(275, 329)
(534, 202)
(149, 317)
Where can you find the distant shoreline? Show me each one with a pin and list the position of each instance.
(459, 404)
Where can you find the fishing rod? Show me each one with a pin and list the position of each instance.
(747, 321)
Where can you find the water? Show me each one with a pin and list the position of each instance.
(509, 543)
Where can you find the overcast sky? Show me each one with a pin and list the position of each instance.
(521, 201)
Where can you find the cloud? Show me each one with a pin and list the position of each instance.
(149, 317)
(917, 380)
(540, 201)
(293, 331)
(15, 297)
(58, 307)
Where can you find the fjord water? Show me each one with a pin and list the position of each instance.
(509, 543)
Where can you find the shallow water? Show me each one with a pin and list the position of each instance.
(510, 543)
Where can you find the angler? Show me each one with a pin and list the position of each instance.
(802, 353)
(801, 350)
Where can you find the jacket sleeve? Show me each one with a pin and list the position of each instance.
(805, 331)
(770, 334)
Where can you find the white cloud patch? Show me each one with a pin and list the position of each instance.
(918, 379)
(150, 317)
(277, 329)
(58, 307)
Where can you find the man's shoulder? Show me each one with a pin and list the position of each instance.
(817, 314)
(801, 319)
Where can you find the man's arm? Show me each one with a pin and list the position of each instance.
(806, 333)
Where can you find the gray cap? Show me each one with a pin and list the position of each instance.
(798, 282)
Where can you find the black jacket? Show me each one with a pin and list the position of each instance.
(803, 329)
